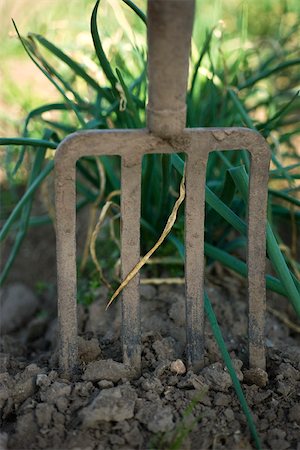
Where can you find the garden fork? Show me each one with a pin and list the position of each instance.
(169, 34)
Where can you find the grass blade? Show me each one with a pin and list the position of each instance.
(24, 221)
(266, 73)
(137, 10)
(215, 202)
(226, 357)
(241, 179)
(77, 69)
(29, 141)
(204, 50)
(131, 106)
(240, 267)
(285, 196)
(26, 197)
(68, 101)
(99, 49)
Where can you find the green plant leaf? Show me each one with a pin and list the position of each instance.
(268, 72)
(241, 179)
(67, 100)
(25, 216)
(40, 143)
(99, 49)
(77, 68)
(137, 10)
(235, 381)
(26, 197)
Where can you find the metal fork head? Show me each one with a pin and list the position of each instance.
(131, 146)
(169, 32)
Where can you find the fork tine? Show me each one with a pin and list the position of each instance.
(258, 197)
(130, 255)
(194, 258)
(65, 201)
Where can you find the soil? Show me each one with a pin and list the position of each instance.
(168, 407)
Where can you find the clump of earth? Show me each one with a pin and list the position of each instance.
(168, 406)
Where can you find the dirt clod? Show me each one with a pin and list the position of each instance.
(157, 420)
(256, 376)
(114, 404)
(217, 377)
(106, 370)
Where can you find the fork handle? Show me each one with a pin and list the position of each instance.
(170, 24)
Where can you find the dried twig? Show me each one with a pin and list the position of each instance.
(169, 225)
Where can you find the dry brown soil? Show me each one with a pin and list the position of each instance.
(40, 410)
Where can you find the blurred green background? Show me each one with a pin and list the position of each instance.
(23, 87)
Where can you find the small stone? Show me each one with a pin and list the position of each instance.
(178, 367)
(105, 384)
(114, 404)
(256, 376)
(106, 369)
(294, 413)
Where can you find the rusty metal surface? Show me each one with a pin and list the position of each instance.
(165, 134)
(196, 143)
